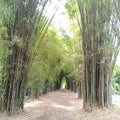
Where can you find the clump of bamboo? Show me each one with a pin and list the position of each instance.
(25, 29)
(99, 51)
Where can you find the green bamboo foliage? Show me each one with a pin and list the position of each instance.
(26, 24)
(98, 56)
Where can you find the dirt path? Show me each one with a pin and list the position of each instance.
(60, 105)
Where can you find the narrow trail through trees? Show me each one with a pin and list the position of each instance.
(60, 105)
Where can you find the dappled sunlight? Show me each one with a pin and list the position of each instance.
(33, 104)
(64, 107)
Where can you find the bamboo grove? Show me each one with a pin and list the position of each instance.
(35, 59)
(25, 21)
(99, 49)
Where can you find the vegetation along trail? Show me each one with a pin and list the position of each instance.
(60, 105)
(49, 45)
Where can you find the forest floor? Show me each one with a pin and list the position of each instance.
(61, 105)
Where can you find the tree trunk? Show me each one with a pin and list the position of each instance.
(97, 81)
(14, 80)
(74, 86)
(79, 90)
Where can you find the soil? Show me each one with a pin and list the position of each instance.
(61, 105)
